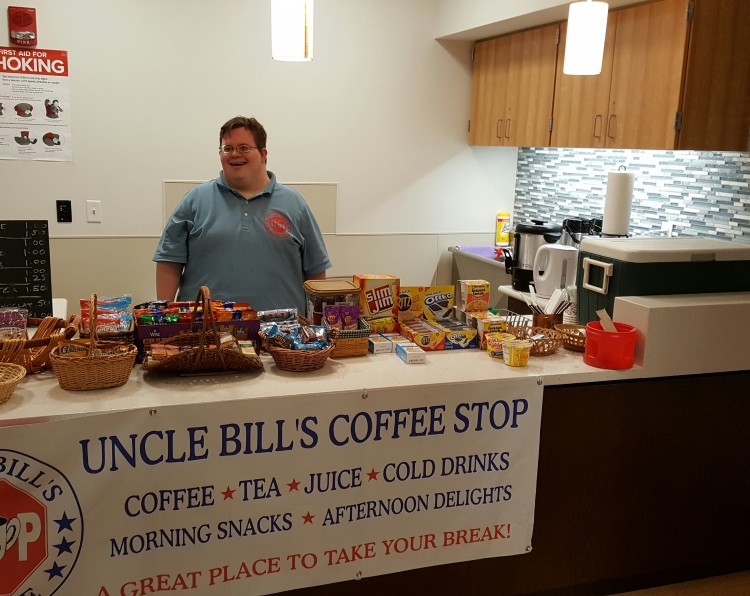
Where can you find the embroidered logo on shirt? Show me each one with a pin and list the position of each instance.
(277, 225)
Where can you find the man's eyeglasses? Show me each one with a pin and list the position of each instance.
(227, 149)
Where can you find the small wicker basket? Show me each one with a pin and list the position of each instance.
(299, 360)
(349, 342)
(574, 336)
(85, 364)
(546, 341)
(10, 375)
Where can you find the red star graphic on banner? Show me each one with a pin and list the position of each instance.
(293, 485)
(308, 518)
(228, 494)
(372, 475)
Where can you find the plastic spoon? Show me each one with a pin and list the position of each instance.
(606, 321)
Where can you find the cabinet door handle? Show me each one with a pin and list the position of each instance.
(507, 128)
(598, 118)
(499, 122)
(611, 129)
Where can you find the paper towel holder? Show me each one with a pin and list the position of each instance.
(617, 204)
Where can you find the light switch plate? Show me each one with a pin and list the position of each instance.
(94, 211)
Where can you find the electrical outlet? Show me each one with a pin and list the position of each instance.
(94, 211)
(64, 211)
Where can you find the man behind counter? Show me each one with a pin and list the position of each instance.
(243, 235)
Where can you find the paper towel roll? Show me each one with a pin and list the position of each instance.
(616, 221)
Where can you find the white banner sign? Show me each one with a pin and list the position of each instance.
(34, 105)
(263, 495)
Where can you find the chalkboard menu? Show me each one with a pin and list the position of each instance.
(25, 278)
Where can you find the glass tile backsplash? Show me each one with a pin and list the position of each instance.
(695, 193)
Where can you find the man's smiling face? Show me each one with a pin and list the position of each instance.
(243, 171)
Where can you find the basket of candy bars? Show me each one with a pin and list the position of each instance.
(294, 345)
(84, 364)
(349, 330)
(201, 351)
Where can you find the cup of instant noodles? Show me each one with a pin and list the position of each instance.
(516, 352)
(495, 342)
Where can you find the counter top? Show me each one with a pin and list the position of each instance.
(671, 330)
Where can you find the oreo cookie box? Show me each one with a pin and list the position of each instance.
(433, 303)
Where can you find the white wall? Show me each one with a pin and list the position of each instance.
(382, 111)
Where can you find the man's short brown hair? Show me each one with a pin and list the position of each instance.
(251, 124)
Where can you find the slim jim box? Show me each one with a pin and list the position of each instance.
(379, 295)
(612, 267)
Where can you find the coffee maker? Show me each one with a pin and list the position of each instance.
(527, 239)
(574, 229)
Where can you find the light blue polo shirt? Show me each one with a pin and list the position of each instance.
(258, 251)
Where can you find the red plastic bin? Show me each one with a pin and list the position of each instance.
(610, 349)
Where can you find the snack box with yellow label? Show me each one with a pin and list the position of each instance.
(396, 338)
(433, 303)
(378, 295)
(411, 302)
(411, 353)
(439, 302)
(426, 335)
(474, 295)
(377, 344)
(458, 336)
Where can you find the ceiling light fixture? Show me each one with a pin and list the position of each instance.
(584, 42)
(292, 30)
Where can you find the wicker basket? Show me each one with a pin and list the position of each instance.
(574, 336)
(196, 355)
(349, 342)
(10, 375)
(33, 354)
(299, 360)
(546, 341)
(85, 364)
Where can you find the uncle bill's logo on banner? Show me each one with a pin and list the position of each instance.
(41, 526)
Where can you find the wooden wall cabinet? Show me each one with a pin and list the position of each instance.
(675, 75)
(513, 87)
(716, 104)
(634, 102)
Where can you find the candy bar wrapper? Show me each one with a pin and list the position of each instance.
(111, 303)
(278, 314)
(333, 316)
(350, 316)
(107, 321)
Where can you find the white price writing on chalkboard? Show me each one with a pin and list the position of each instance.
(25, 277)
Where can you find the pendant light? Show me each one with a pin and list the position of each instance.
(292, 30)
(584, 43)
